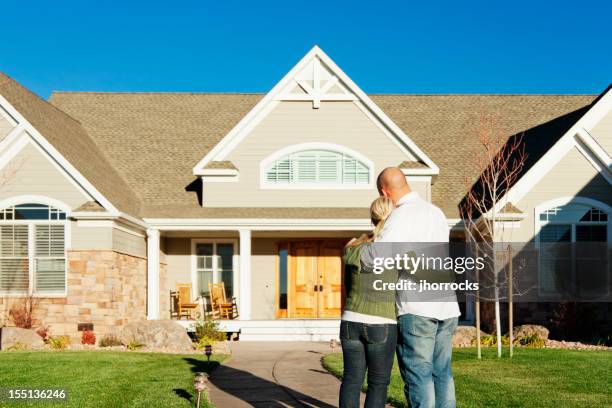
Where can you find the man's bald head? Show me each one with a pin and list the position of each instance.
(392, 183)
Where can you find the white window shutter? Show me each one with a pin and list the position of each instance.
(50, 262)
(14, 263)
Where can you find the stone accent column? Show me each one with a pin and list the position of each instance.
(153, 274)
(244, 299)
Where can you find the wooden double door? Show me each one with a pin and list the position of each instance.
(315, 278)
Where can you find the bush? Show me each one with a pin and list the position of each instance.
(490, 340)
(209, 330)
(133, 345)
(604, 341)
(109, 340)
(88, 337)
(22, 313)
(530, 341)
(43, 332)
(205, 341)
(59, 342)
(19, 346)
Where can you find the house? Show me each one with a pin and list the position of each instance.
(109, 200)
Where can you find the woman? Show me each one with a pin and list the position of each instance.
(368, 330)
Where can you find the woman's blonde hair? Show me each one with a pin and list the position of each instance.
(379, 211)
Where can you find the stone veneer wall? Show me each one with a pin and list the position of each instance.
(106, 288)
(164, 292)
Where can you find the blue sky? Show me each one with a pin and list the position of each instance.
(246, 46)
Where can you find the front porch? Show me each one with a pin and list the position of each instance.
(287, 282)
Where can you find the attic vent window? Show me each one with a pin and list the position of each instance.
(318, 167)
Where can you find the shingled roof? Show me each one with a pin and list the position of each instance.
(72, 141)
(154, 139)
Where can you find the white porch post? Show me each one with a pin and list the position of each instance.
(152, 274)
(244, 300)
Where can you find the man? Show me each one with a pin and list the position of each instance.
(425, 329)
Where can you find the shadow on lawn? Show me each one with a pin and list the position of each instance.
(196, 367)
(253, 390)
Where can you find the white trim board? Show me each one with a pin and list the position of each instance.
(271, 100)
(265, 224)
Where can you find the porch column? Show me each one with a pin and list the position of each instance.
(152, 274)
(244, 300)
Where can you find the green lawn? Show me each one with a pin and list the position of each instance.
(533, 378)
(106, 379)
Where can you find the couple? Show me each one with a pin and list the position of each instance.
(375, 324)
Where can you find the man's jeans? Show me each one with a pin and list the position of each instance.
(370, 346)
(424, 350)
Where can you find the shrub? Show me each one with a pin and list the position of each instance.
(88, 337)
(43, 331)
(490, 340)
(605, 341)
(19, 346)
(22, 313)
(109, 340)
(59, 342)
(133, 345)
(209, 330)
(530, 341)
(205, 341)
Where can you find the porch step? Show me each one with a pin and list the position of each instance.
(280, 329)
(288, 334)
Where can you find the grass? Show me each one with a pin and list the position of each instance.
(106, 378)
(533, 378)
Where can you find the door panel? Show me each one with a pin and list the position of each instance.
(302, 280)
(315, 279)
(330, 279)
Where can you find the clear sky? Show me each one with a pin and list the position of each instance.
(247, 46)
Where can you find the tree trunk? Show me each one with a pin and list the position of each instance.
(510, 309)
(498, 324)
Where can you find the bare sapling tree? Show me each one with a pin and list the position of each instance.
(494, 166)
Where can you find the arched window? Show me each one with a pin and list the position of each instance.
(572, 238)
(33, 249)
(317, 166)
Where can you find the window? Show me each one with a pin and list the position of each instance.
(32, 249)
(214, 264)
(318, 167)
(573, 250)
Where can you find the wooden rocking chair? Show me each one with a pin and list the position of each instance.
(222, 308)
(185, 305)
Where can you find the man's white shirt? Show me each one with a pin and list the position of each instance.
(416, 220)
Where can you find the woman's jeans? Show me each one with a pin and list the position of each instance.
(371, 347)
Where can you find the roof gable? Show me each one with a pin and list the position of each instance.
(316, 78)
(67, 141)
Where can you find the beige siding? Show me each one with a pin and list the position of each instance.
(293, 123)
(422, 186)
(5, 126)
(572, 176)
(128, 243)
(91, 238)
(264, 278)
(30, 172)
(178, 261)
(602, 132)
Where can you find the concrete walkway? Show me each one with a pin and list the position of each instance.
(274, 374)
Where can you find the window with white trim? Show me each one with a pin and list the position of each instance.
(572, 245)
(32, 249)
(318, 166)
